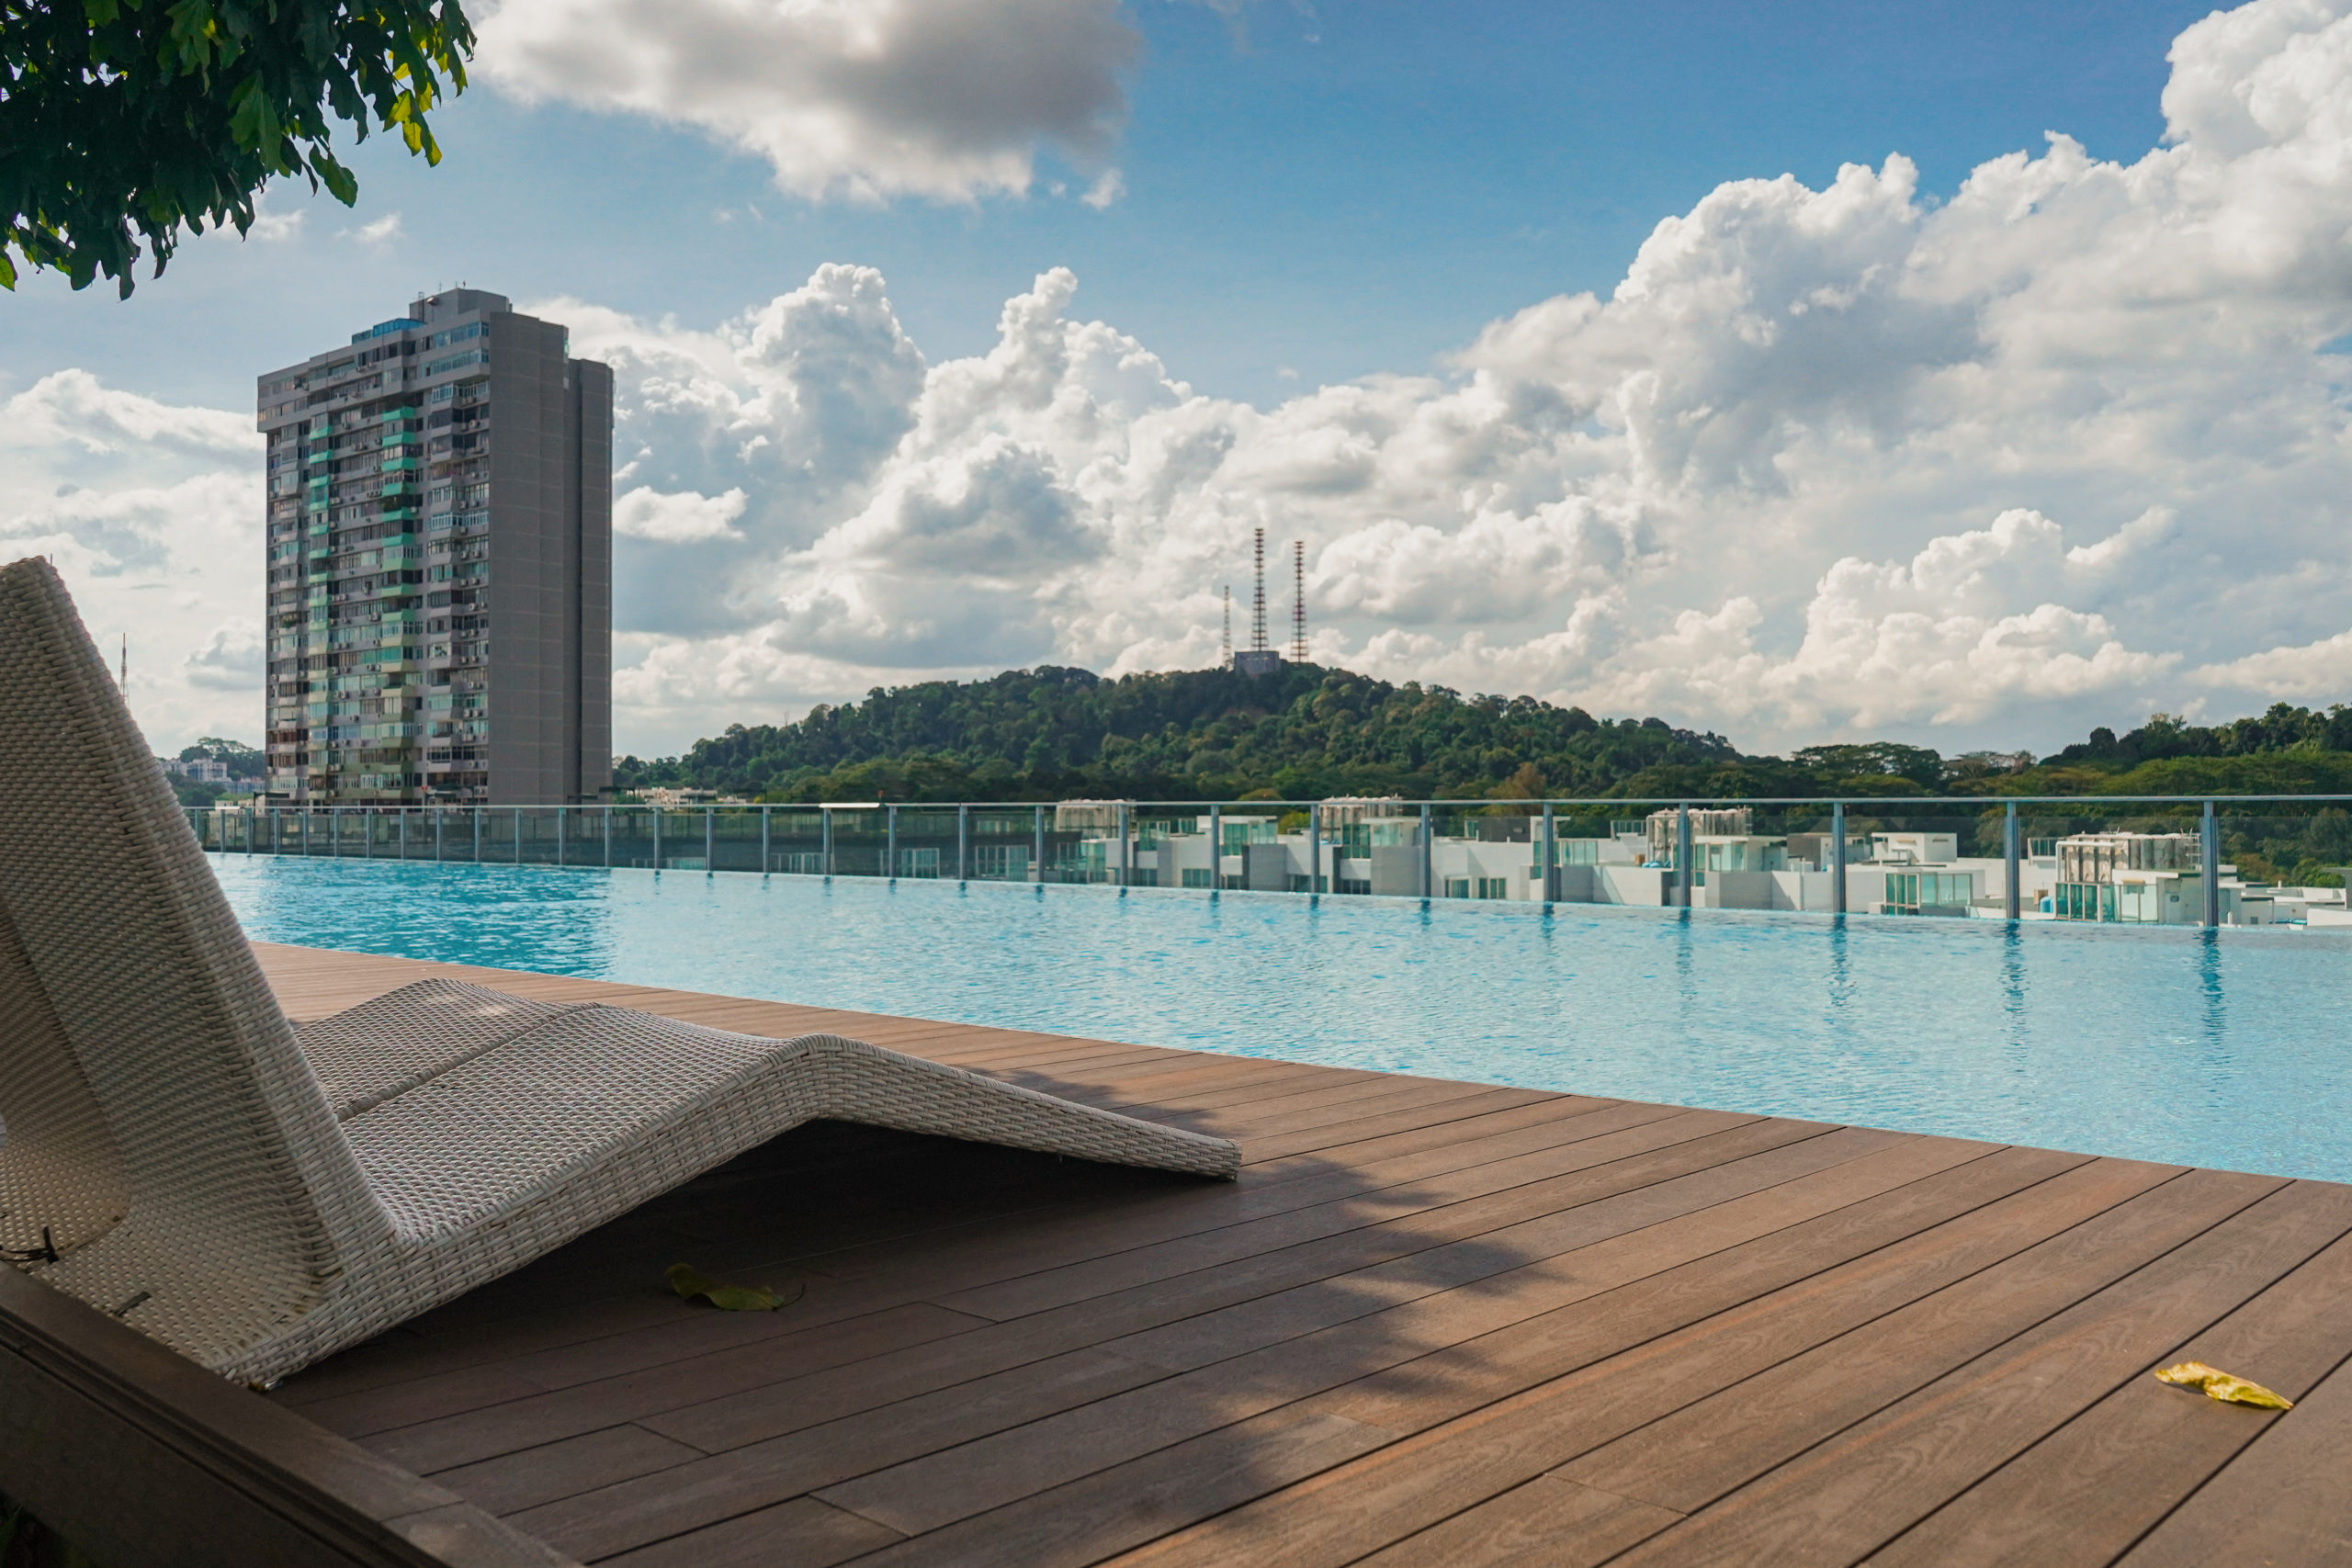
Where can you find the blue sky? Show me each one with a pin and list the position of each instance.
(1962, 375)
(1331, 190)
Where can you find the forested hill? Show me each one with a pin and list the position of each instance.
(1307, 732)
(1206, 734)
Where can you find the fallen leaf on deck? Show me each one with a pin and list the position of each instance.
(2219, 1385)
(691, 1283)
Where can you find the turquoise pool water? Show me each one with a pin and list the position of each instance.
(2226, 1049)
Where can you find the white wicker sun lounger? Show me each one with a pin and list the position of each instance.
(170, 1155)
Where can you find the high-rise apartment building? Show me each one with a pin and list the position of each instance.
(440, 501)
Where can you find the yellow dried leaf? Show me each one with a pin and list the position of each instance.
(691, 1283)
(2219, 1385)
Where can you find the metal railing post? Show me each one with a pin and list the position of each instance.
(1551, 856)
(608, 838)
(1037, 873)
(825, 838)
(368, 833)
(1426, 849)
(559, 834)
(891, 841)
(403, 835)
(1683, 854)
(657, 838)
(2013, 904)
(1314, 847)
(1126, 856)
(1216, 848)
(963, 843)
(440, 814)
(477, 835)
(709, 839)
(2208, 857)
(518, 835)
(306, 831)
(765, 812)
(1837, 857)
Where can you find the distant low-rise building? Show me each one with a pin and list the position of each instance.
(198, 770)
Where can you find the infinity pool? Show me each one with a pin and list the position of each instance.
(2226, 1049)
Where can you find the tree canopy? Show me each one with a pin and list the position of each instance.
(1203, 734)
(126, 121)
(1308, 732)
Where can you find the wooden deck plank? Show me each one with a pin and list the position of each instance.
(1435, 1322)
(1326, 1337)
(1847, 1497)
(1702, 1451)
(1495, 1413)
(2281, 1501)
(900, 1271)
(2104, 1479)
(736, 1380)
(1547, 1520)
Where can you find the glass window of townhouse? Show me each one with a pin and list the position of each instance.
(2231, 860)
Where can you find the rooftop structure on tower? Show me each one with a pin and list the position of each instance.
(1258, 658)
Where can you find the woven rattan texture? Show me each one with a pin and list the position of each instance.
(246, 1206)
(61, 1176)
(150, 1074)
(582, 1115)
(380, 1048)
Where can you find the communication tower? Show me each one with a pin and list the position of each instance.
(1258, 658)
(1258, 609)
(1298, 602)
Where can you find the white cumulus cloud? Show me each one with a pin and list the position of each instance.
(865, 99)
(683, 519)
(2069, 448)
(1825, 462)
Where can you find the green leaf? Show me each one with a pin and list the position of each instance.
(341, 183)
(691, 1284)
(252, 122)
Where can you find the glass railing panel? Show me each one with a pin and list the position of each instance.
(685, 839)
(1005, 843)
(1929, 859)
(534, 835)
(796, 841)
(2282, 862)
(1173, 848)
(452, 833)
(1485, 851)
(501, 834)
(926, 844)
(1088, 841)
(735, 839)
(1376, 846)
(2110, 862)
(858, 840)
(632, 837)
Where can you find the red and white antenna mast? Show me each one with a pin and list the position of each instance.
(1258, 610)
(1298, 602)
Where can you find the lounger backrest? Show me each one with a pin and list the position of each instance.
(146, 1056)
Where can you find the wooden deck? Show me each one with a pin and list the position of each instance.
(1433, 1323)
